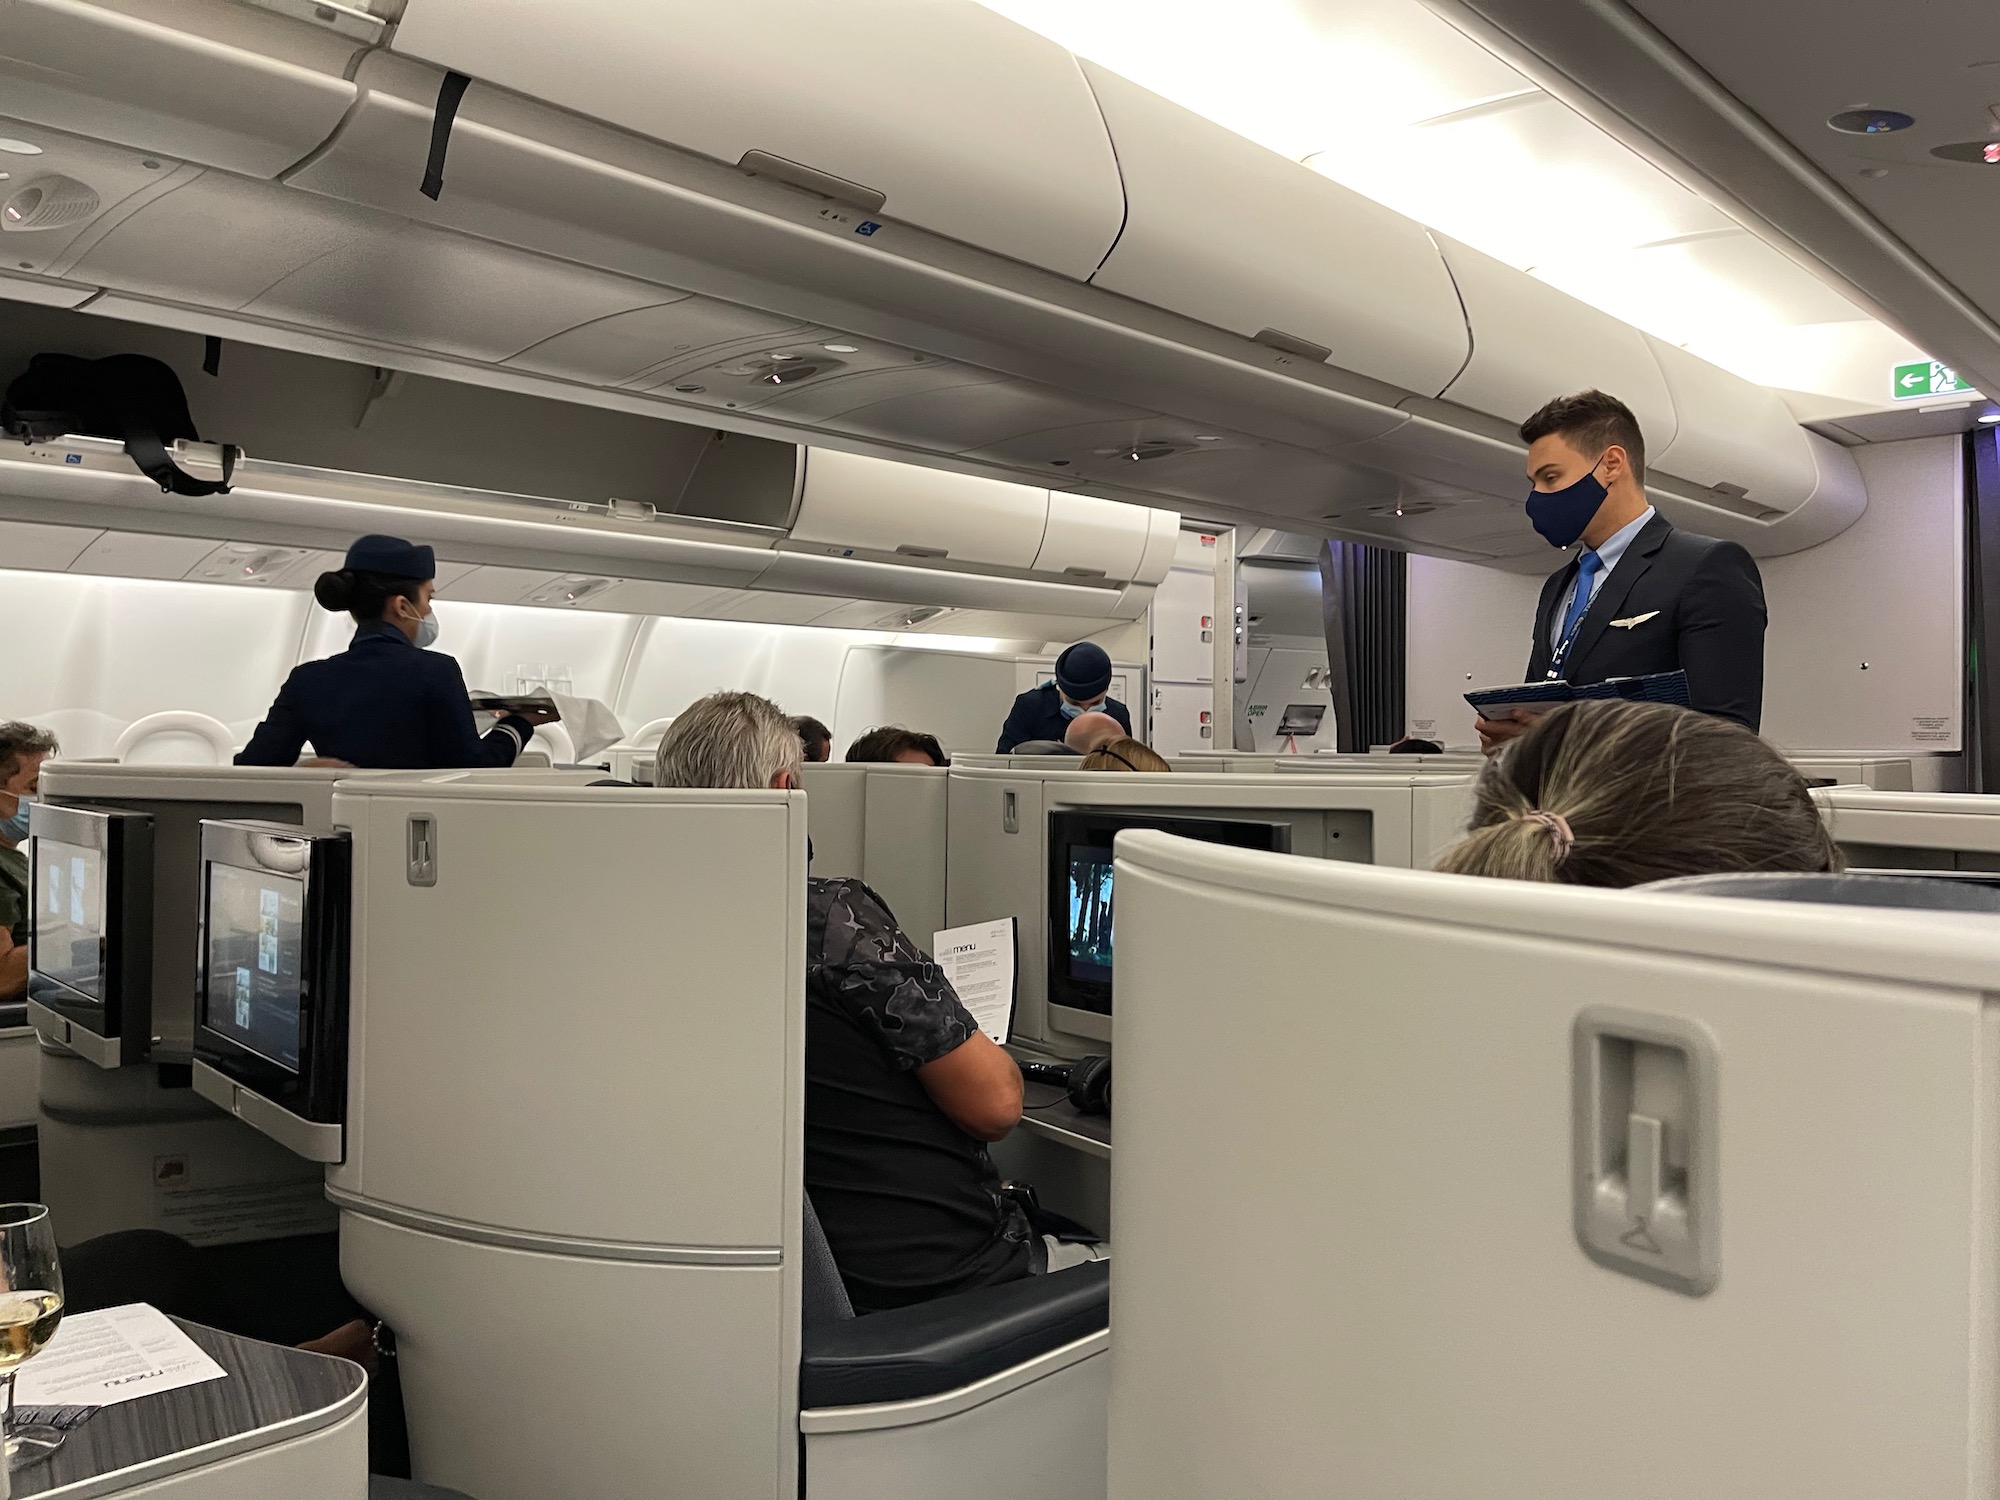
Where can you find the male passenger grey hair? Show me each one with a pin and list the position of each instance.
(728, 740)
(18, 739)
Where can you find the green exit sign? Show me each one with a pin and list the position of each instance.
(1921, 381)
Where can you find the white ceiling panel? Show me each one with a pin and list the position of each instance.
(29, 544)
(123, 555)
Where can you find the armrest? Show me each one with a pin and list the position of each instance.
(13, 1013)
(951, 1342)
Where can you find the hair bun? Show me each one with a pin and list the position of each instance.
(335, 591)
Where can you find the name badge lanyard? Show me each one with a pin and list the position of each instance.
(1569, 639)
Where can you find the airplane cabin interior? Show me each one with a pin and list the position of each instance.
(641, 637)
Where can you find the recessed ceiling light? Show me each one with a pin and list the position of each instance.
(19, 148)
(1208, 438)
(841, 348)
(1870, 121)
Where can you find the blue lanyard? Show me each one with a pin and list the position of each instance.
(1563, 646)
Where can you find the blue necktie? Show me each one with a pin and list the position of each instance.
(1587, 568)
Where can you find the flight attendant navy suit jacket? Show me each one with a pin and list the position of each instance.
(1675, 600)
(382, 704)
(1038, 715)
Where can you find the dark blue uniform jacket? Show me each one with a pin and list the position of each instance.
(384, 705)
(1037, 715)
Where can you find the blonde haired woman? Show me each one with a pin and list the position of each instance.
(1124, 755)
(1610, 793)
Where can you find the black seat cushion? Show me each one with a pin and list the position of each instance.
(942, 1345)
(13, 1013)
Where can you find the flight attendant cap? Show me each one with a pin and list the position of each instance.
(392, 557)
(1083, 671)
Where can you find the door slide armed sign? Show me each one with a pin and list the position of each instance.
(1924, 379)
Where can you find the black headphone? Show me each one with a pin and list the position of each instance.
(1088, 1081)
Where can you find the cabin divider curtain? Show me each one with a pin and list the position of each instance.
(1982, 611)
(1364, 605)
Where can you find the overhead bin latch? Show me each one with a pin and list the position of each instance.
(1291, 343)
(812, 180)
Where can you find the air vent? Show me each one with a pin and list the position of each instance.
(1402, 508)
(1140, 453)
(48, 202)
(571, 590)
(781, 369)
(248, 563)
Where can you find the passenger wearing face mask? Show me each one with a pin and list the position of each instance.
(1638, 596)
(23, 748)
(384, 703)
(1083, 678)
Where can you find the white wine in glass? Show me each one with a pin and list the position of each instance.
(31, 1305)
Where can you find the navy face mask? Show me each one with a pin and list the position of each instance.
(1561, 515)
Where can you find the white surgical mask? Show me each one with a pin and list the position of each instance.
(15, 829)
(427, 632)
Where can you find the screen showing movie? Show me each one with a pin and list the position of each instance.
(1090, 913)
(1082, 917)
(69, 915)
(255, 953)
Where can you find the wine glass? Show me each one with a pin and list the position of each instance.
(31, 1305)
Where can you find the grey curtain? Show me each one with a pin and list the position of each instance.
(1982, 611)
(1364, 606)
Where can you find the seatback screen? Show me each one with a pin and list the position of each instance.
(256, 923)
(1082, 925)
(1089, 935)
(69, 915)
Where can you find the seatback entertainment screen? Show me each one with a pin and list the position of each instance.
(255, 959)
(1082, 911)
(69, 915)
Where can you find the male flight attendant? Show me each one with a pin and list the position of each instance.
(1639, 596)
(1082, 685)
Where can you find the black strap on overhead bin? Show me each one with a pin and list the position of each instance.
(450, 94)
(146, 450)
(211, 356)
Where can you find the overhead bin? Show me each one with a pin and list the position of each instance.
(1092, 538)
(1531, 342)
(1221, 230)
(850, 503)
(811, 572)
(948, 117)
(1735, 438)
(224, 85)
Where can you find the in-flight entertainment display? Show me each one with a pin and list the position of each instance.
(69, 915)
(255, 955)
(1081, 914)
(1090, 913)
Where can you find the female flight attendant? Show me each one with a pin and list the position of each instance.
(383, 703)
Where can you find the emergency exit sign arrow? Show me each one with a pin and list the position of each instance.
(1922, 380)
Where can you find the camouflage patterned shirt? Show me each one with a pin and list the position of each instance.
(910, 1203)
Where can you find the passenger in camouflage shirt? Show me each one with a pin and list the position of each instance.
(903, 1089)
(910, 1201)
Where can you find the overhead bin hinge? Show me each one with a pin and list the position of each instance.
(812, 180)
(1291, 343)
(451, 93)
(355, 21)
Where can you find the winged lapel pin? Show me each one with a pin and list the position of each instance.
(1632, 620)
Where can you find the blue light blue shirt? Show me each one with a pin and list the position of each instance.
(1608, 554)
